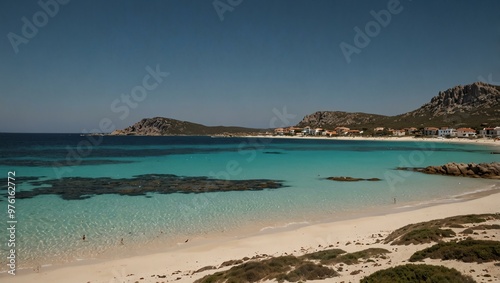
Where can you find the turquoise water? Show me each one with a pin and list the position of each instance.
(50, 228)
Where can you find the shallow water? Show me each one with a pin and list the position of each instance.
(50, 229)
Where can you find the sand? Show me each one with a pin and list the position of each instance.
(179, 263)
(478, 141)
(351, 235)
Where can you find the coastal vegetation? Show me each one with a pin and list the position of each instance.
(416, 273)
(424, 235)
(311, 266)
(468, 250)
(282, 268)
(481, 227)
(331, 262)
(334, 256)
(432, 231)
(326, 256)
(160, 126)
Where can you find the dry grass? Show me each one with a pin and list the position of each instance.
(417, 273)
(467, 251)
(432, 231)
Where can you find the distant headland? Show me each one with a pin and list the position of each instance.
(467, 110)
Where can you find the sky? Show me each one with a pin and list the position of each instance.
(76, 66)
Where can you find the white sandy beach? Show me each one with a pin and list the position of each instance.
(351, 235)
(478, 141)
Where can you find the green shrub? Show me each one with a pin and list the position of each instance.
(411, 273)
(254, 271)
(334, 256)
(281, 268)
(431, 226)
(467, 251)
(291, 268)
(471, 230)
(324, 256)
(308, 271)
(424, 235)
(353, 258)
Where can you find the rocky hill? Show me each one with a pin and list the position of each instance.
(469, 105)
(473, 105)
(160, 126)
(469, 98)
(339, 118)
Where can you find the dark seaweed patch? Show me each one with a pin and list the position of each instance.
(272, 152)
(20, 180)
(57, 163)
(77, 188)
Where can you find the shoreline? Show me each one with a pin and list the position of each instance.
(219, 243)
(478, 141)
(291, 239)
(250, 229)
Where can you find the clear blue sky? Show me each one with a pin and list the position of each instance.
(264, 54)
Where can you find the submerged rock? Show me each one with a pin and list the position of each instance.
(77, 188)
(473, 170)
(58, 163)
(351, 179)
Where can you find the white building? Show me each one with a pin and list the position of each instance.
(342, 130)
(279, 131)
(307, 131)
(447, 132)
(466, 133)
(411, 130)
(294, 130)
(430, 131)
(329, 133)
(490, 132)
(398, 133)
(318, 131)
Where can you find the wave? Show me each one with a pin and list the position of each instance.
(278, 227)
(452, 198)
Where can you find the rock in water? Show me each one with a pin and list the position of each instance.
(482, 170)
(351, 179)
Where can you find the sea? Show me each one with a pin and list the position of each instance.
(51, 224)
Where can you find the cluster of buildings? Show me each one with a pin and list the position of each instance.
(446, 132)
(443, 132)
(308, 131)
(395, 132)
